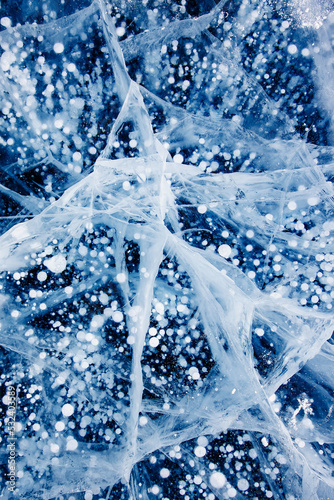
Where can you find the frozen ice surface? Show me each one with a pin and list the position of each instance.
(166, 248)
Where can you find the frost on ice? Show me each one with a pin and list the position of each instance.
(166, 249)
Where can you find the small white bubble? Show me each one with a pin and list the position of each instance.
(67, 410)
(178, 158)
(159, 307)
(59, 123)
(193, 372)
(292, 49)
(117, 316)
(225, 251)
(54, 447)
(120, 31)
(6, 22)
(77, 156)
(164, 473)
(71, 444)
(185, 84)
(217, 480)
(121, 278)
(264, 441)
(143, 420)
(60, 426)
(243, 484)
(42, 276)
(71, 67)
(58, 48)
(6, 60)
(200, 451)
(104, 298)
(154, 341)
(56, 264)
(292, 205)
(300, 443)
(97, 321)
(314, 200)
(202, 441)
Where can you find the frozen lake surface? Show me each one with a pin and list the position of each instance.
(166, 249)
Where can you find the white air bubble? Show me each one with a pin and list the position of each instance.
(225, 251)
(71, 67)
(60, 426)
(117, 316)
(120, 31)
(243, 484)
(200, 451)
(292, 49)
(67, 410)
(178, 158)
(56, 264)
(164, 473)
(202, 209)
(71, 444)
(6, 22)
(58, 48)
(77, 156)
(292, 205)
(154, 341)
(121, 278)
(312, 201)
(42, 276)
(217, 480)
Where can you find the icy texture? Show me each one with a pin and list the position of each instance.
(167, 248)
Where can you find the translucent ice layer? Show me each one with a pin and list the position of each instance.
(166, 249)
